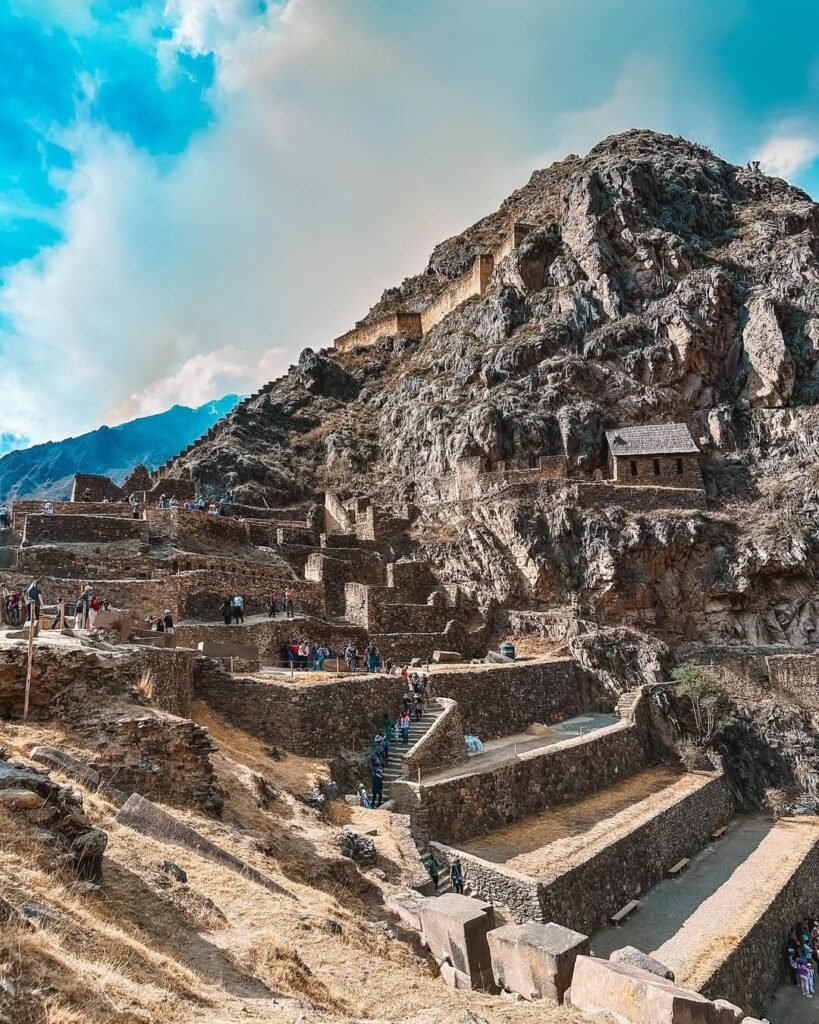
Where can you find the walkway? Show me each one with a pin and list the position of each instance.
(496, 752)
(789, 1006)
(665, 908)
(718, 923)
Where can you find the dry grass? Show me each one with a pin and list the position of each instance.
(221, 950)
(144, 688)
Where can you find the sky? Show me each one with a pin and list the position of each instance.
(193, 191)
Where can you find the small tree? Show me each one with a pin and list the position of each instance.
(708, 703)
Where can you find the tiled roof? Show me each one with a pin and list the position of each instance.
(651, 439)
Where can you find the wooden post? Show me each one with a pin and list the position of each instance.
(62, 615)
(338, 670)
(231, 664)
(29, 666)
(419, 774)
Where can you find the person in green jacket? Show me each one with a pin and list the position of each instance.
(433, 866)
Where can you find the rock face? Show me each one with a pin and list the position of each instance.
(655, 281)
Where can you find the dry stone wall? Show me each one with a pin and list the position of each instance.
(441, 747)
(40, 529)
(73, 508)
(471, 803)
(92, 487)
(588, 893)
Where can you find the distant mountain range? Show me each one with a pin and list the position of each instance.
(46, 470)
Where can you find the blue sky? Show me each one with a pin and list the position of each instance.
(191, 191)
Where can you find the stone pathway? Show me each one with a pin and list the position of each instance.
(715, 926)
(495, 752)
(665, 908)
(789, 1006)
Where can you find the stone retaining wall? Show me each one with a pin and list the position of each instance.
(318, 718)
(40, 529)
(371, 333)
(94, 487)
(268, 637)
(639, 498)
(471, 803)
(74, 508)
(587, 894)
(314, 719)
(470, 285)
(500, 700)
(442, 746)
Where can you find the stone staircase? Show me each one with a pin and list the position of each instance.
(626, 702)
(393, 771)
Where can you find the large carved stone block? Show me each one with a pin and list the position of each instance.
(536, 960)
(633, 996)
(455, 929)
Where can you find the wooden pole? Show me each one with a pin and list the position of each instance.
(30, 665)
(62, 614)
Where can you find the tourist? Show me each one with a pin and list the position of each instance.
(238, 608)
(163, 501)
(434, 868)
(806, 981)
(304, 655)
(456, 876)
(167, 621)
(135, 509)
(48, 508)
(351, 657)
(319, 655)
(363, 799)
(379, 749)
(227, 611)
(82, 608)
(94, 608)
(387, 727)
(404, 726)
(4, 517)
(158, 624)
(371, 657)
(34, 601)
(289, 598)
(271, 607)
(14, 603)
(377, 781)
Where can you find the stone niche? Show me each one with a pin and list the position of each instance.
(536, 960)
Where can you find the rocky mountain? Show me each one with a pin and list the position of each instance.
(46, 470)
(656, 282)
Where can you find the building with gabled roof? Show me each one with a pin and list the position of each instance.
(660, 454)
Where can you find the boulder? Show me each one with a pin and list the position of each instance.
(455, 930)
(636, 958)
(536, 960)
(633, 996)
(53, 757)
(446, 657)
(167, 867)
(357, 847)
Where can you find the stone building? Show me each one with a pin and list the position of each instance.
(662, 454)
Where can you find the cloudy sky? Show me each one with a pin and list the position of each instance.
(192, 191)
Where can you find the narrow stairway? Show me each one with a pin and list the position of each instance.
(392, 772)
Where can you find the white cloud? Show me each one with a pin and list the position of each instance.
(785, 155)
(276, 229)
(224, 371)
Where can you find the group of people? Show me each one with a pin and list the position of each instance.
(456, 873)
(372, 657)
(802, 951)
(26, 606)
(233, 609)
(161, 623)
(283, 604)
(393, 731)
(303, 656)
